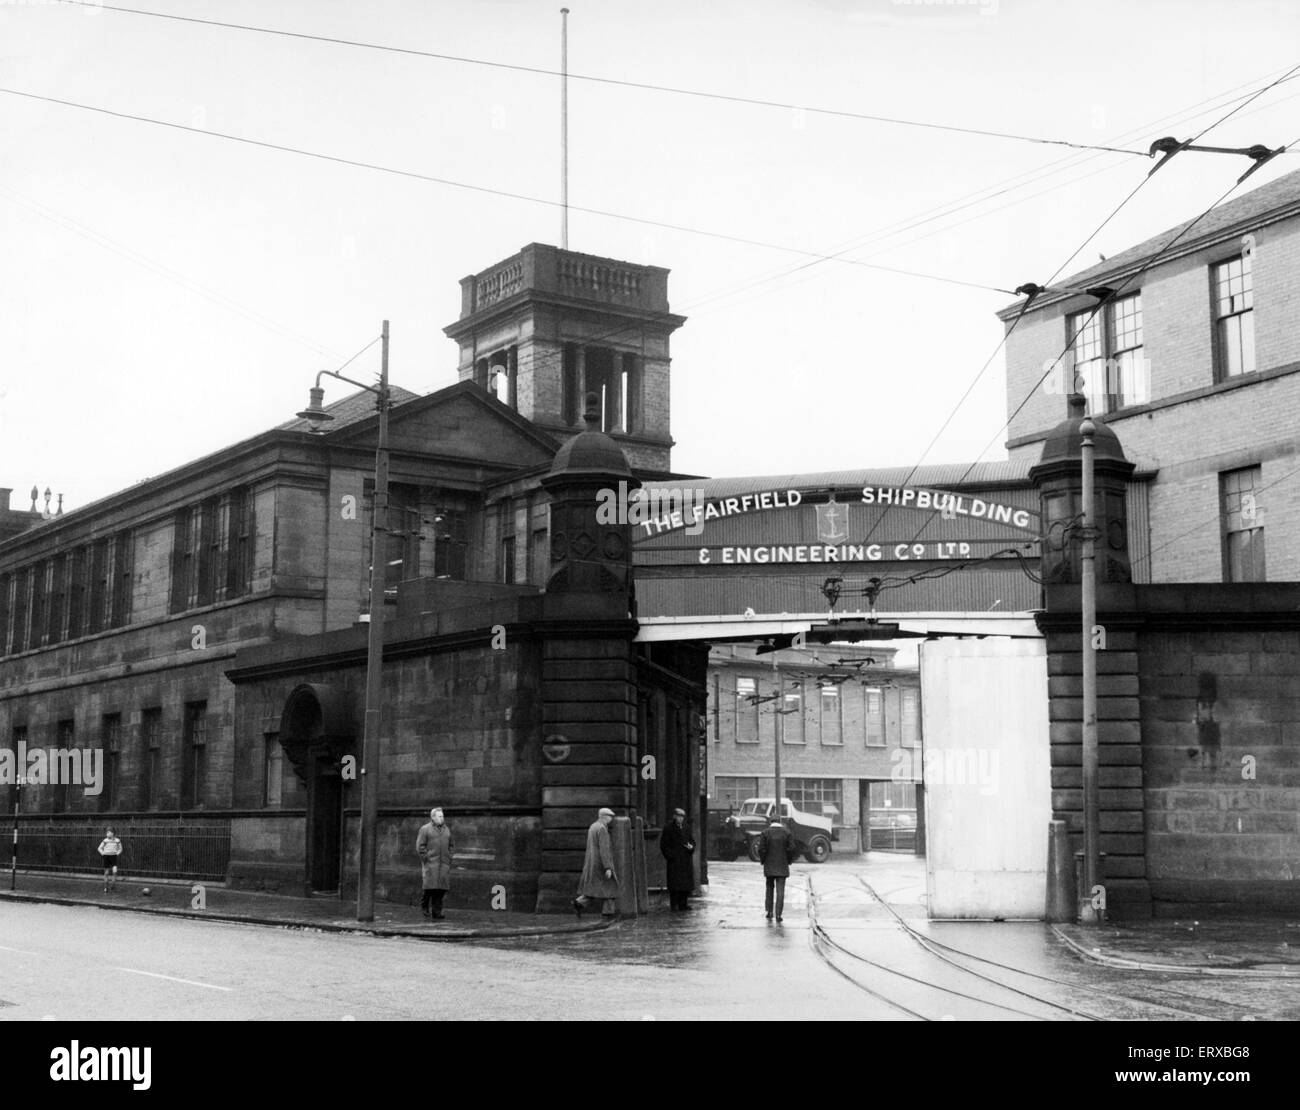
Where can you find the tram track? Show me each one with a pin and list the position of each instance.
(920, 994)
(1113, 996)
(930, 1000)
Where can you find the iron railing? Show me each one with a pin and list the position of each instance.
(189, 849)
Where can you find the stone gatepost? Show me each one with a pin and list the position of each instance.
(1058, 478)
(588, 669)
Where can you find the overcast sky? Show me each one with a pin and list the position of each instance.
(164, 293)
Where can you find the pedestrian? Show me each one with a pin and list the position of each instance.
(599, 879)
(678, 845)
(434, 848)
(776, 851)
(110, 849)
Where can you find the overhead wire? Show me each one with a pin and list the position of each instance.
(1112, 296)
(489, 190)
(157, 268)
(621, 82)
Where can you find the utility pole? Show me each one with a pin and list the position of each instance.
(1088, 914)
(13, 859)
(778, 729)
(371, 753)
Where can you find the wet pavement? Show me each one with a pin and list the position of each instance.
(856, 943)
(253, 908)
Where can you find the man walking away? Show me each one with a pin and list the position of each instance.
(598, 877)
(678, 845)
(776, 851)
(110, 848)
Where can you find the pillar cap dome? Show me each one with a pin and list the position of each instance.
(590, 453)
(1065, 441)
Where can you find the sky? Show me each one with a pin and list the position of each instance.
(165, 293)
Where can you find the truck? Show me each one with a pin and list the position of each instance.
(742, 831)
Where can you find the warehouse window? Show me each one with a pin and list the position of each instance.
(1106, 348)
(1243, 525)
(819, 796)
(874, 716)
(910, 717)
(746, 710)
(792, 722)
(1234, 299)
(730, 790)
(832, 722)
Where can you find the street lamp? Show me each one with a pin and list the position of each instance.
(370, 750)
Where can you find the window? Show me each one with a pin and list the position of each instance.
(821, 796)
(77, 592)
(239, 543)
(273, 770)
(151, 747)
(1106, 351)
(451, 544)
(832, 723)
(22, 592)
(6, 588)
(792, 717)
(212, 554)
(1234, 303)
(57, 614)
(110, 741)
(194, 753)
(59, 767)
(910, 717)
(730, 790)
(36, 623)
(746, 710)
(874, 716)
(1243, 525)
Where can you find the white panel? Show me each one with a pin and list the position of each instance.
(987, 776)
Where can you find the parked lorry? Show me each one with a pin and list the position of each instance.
(741, 832)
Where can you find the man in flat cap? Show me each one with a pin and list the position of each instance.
(598, 877)
(678, 845)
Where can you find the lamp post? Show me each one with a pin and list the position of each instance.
(371, 753)
(1088, 914)
(13, 859)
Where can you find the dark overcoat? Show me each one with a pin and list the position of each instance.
(678, 845)
(776, 851)
(599, 859)
(434, 847)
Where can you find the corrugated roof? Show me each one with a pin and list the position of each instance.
(1267, 200)
(938, 474)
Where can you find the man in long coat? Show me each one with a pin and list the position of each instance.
(776, 851)
(678, 845)
(434, 848)
(599, 879)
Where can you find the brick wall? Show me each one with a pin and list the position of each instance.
(1245, 422)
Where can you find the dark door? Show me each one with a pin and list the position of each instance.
(324, 824)
(864, 814)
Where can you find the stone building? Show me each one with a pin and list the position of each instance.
(205, 629)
